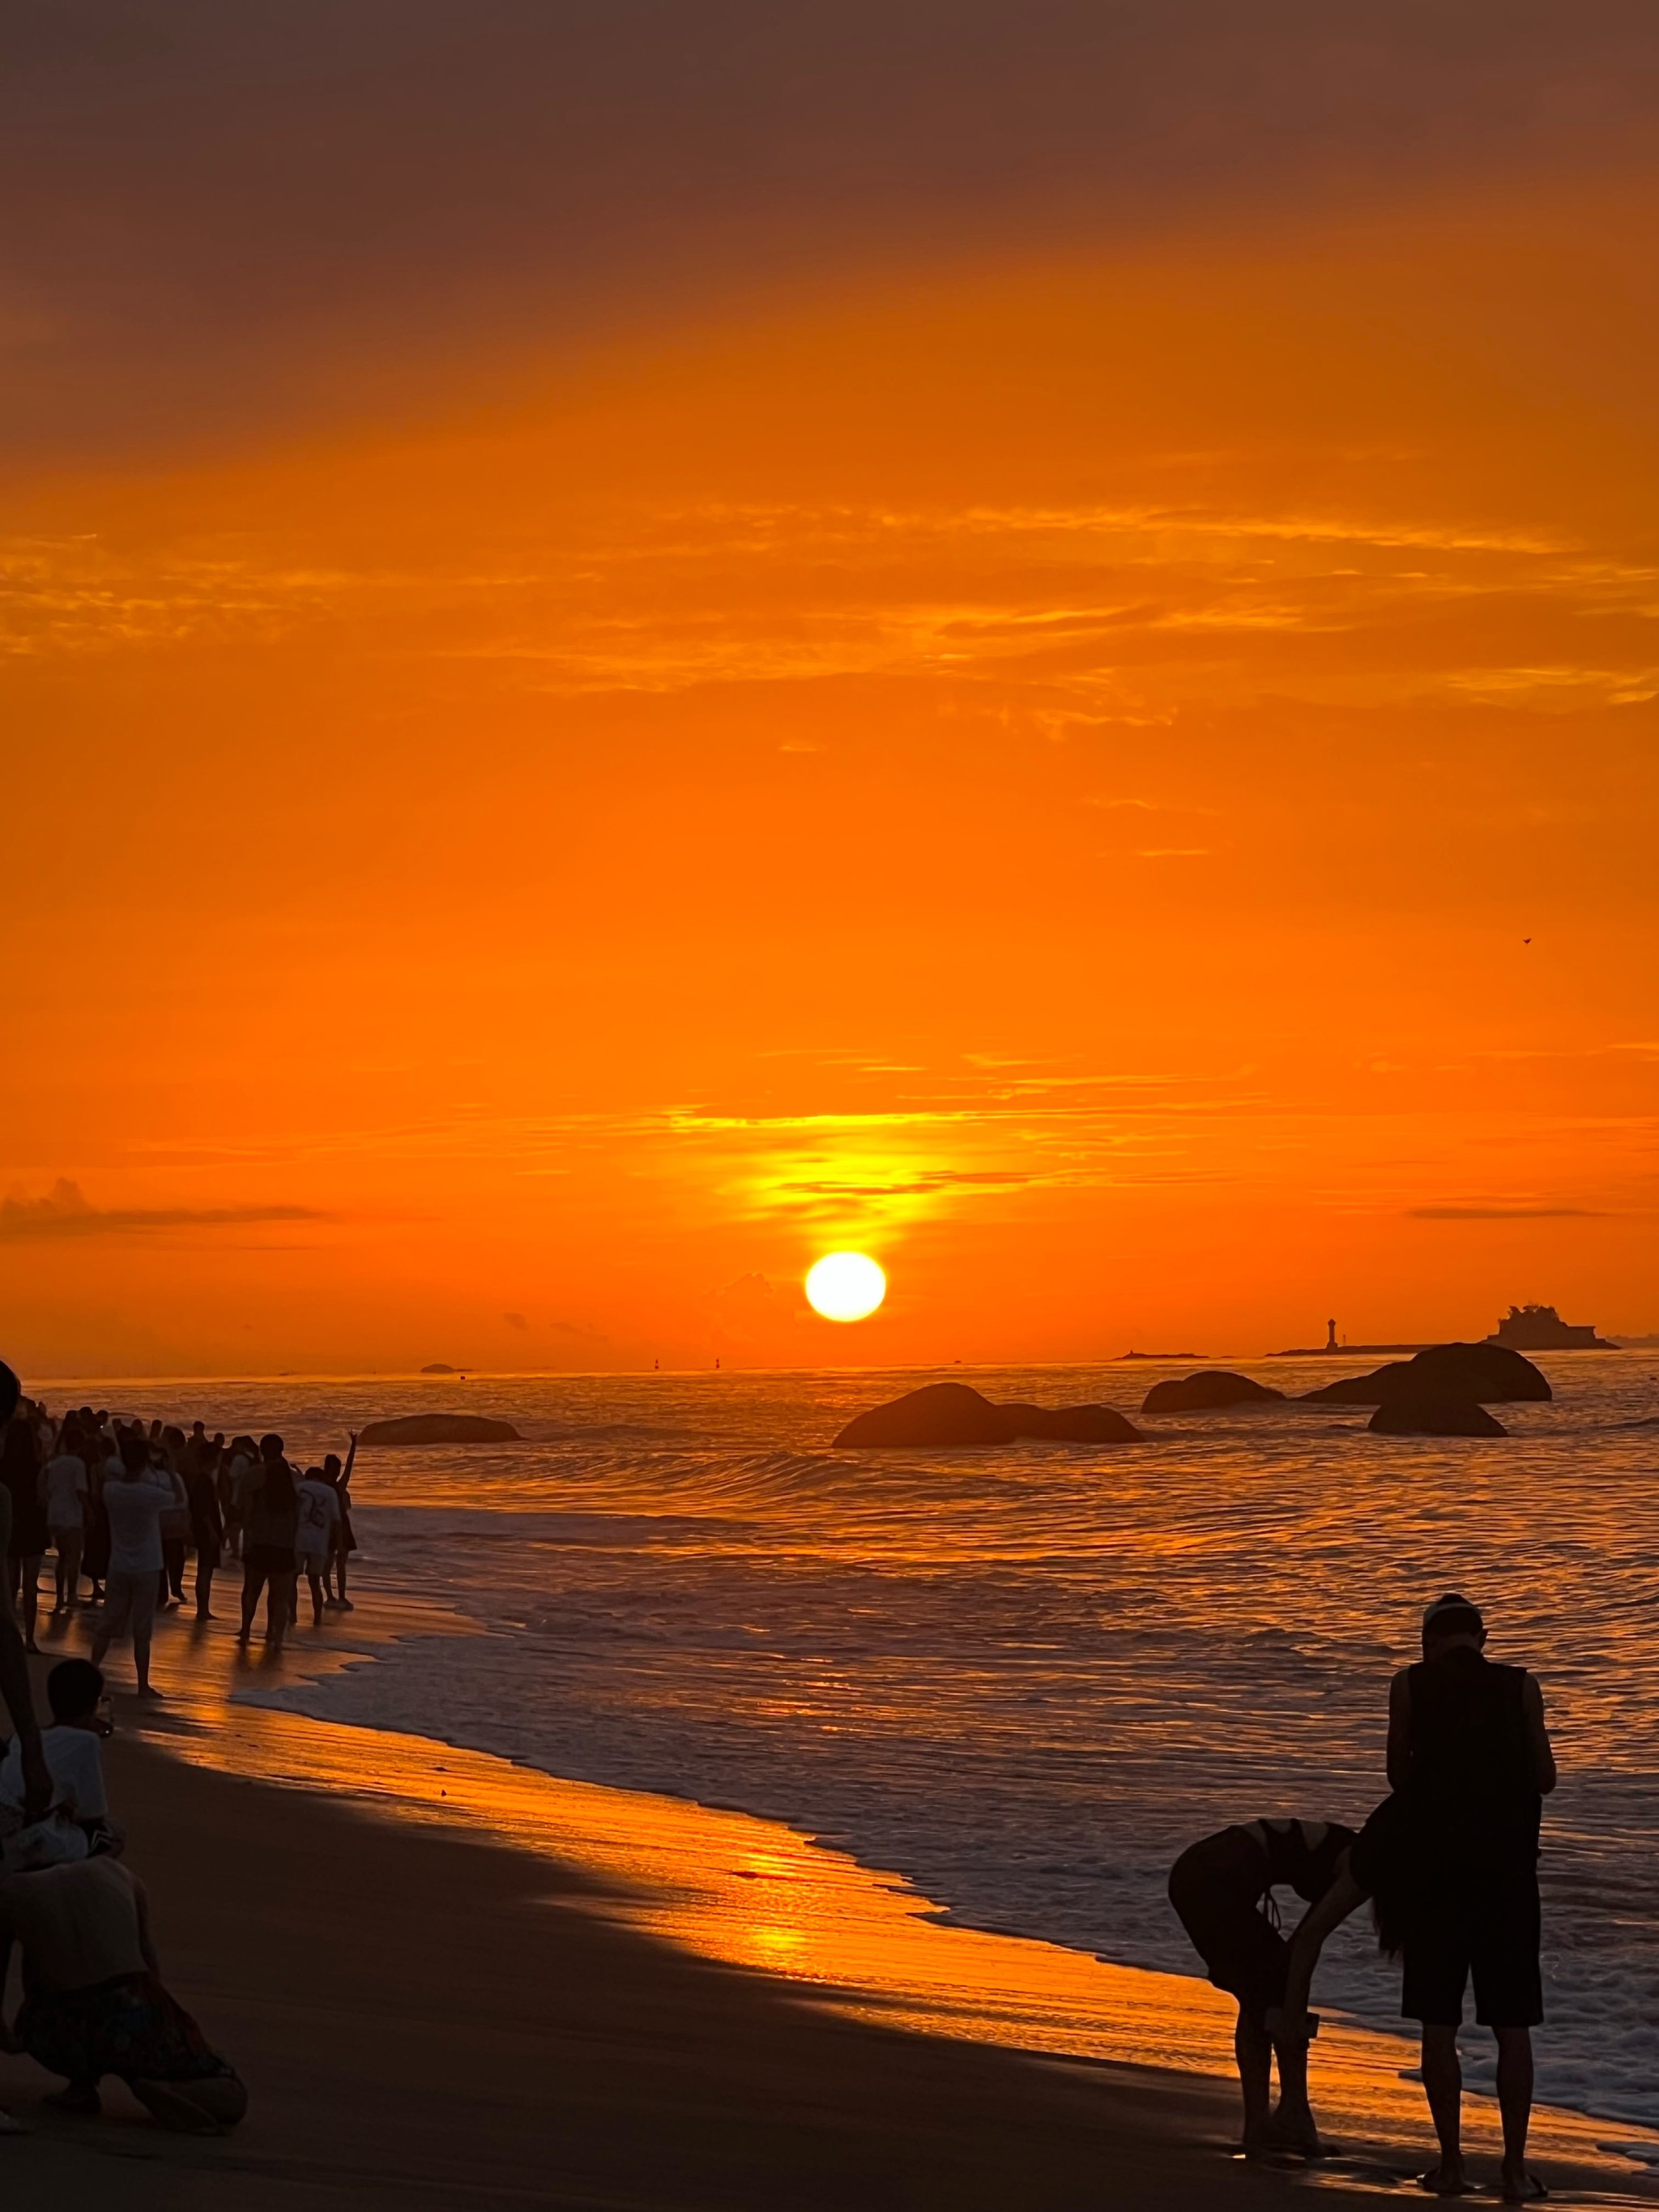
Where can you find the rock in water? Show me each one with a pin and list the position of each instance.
(1070, 1424)
(1204, 1393)
(942, 1414)
(439, 1429)
(947, 1414)
(1434, 1417)
(1478, 1374)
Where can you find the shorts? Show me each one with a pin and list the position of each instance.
(1216, 1889)
(312, 1557)
(1483, 1926)
(129, 1603)
(268, 1560)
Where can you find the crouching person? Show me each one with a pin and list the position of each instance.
(94, 2003)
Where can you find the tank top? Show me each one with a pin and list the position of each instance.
(1470, 1786)
(1300, 1854)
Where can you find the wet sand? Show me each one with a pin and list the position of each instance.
(426, 2014)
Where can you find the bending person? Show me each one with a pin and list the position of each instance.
(1222, 1889)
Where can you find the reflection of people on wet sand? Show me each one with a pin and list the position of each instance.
(94, 2003)
(1452, 1861)
(1222, 1888)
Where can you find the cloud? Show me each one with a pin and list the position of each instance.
(64, 1213)
(934, 1180)
(1503, 1213)
(515, 1321)
(245, 208)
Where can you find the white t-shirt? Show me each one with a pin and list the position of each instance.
(319, 1514)
(135, 1511)
(77, 1771)
(66, 1490)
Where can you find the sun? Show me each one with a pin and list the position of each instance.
(845, 1287)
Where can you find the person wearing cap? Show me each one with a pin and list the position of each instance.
(1222, 1889)
(1451, 1860)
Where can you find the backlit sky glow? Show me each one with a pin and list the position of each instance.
(974, 634)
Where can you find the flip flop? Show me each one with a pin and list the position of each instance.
(1529, 2193)
(9, 2126)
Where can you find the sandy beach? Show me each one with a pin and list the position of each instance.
(424, 2017)
(425, 2020)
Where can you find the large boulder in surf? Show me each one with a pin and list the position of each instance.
(1434, 1417)
(945, 1415)
(1204, 1393)
(1478, 1374)
(439, 1429)
(1071, 1425)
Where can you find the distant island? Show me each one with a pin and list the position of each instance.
(1541, 1329)
(439, 1367)
(1162, 1355)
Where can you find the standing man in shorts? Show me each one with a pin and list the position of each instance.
(135, 1503)
(1222, 1890)
(1469, 1757)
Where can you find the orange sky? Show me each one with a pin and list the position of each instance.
(1037, 758)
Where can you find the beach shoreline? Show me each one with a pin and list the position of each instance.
(393, 1930)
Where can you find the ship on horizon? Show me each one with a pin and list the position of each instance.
(1541, 1329)
(1524, 1328)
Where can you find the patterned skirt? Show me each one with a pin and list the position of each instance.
(130, 2027)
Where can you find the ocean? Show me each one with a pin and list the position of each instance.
(1025, 1677)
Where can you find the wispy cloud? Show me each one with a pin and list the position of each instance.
(65, 1212)
(1503, 1213)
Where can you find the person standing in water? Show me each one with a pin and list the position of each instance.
(344, 1543)
(319, 1509)
(1222, 1890)
(1452, 1859)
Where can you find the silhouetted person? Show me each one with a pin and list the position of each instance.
(268, 1540)
(207, 1526)
(26, 1546)
(14, 1692)
(1452, 1858)
(65, 1482)
(167, 1460)
(135, 1502)
(344, 1542)
(1222, 1889)
(319, 1505)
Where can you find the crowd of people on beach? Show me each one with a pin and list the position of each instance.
(122, 1507)
(1449, 1863)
